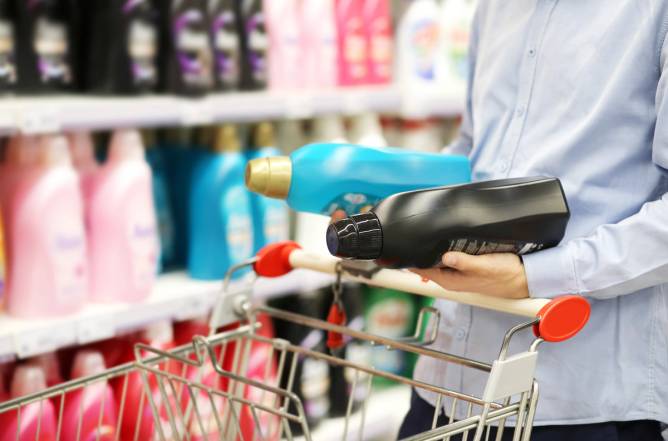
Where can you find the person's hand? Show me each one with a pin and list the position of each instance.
(498, 275)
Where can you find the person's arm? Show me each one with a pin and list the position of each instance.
(463, 143)
(615, 260)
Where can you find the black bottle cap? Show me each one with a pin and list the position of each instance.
(358, 237)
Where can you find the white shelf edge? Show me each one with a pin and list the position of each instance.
(70, 112)
(175, 297)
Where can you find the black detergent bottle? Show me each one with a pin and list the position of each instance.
(186, 55)
(252, 31)
(8, 71)
(121, 48)
(414, 229)
(45, 53)
(226, 44)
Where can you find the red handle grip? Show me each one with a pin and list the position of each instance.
(274, 260)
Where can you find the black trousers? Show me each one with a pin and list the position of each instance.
(419, 419)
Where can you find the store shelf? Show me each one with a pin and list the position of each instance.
(55, 113)
(175, 297)
(385, 412)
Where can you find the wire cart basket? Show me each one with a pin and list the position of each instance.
(212, 389)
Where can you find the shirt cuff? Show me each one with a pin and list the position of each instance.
(551, 273)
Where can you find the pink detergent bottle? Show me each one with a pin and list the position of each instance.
(46, 236)
(37, 420)
(82, 150)
(123, 233)
(285, 67)
(90, 412)
(352, 47)
(137, 414)
(319, 44)
(378, 33)
(20, 154)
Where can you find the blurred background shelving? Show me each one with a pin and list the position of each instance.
(35, 115)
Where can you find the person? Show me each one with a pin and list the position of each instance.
(574, 90)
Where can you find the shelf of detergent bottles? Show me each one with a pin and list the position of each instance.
(63, 113)
(175, 296)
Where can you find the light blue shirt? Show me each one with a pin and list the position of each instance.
(576, 89)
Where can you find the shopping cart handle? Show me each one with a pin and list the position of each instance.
(558, 319)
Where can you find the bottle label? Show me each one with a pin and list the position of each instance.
(475, 246)
(7, 62)
(258, 44)
(143, 49)
(390, 317)
(457, 43)
(352, 203)
(226, 47)
(424, 41)
(236, 209)
(276, 222)
(355, 49)
(52, 48)
(193, 48)
(68, 249)
(360, 354)
(381, 48)
(315, 384)
(143, 240)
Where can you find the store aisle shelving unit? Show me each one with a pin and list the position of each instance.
(175, 297)
(56, 113)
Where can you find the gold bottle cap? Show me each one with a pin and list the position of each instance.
(226, 139)
(270, 176)
(263, 135)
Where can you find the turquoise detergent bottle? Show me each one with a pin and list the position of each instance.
(271, 221)
(322, 178)
(221, 230)
(163, 207)
(179, 155)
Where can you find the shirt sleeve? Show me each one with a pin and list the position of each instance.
(463, 143)
(616, 259)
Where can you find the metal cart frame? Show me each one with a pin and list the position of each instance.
(204, 390)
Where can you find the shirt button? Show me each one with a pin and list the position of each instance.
(519, 111)
(460, 334)
(532, 53)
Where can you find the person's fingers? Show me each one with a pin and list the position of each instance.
(448, 279)
(338, 215)
(462, 262)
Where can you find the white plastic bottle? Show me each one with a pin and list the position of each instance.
(456, 19)
(328, 128)
(418, 39)
(365, 129)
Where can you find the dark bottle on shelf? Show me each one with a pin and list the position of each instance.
(8, 69)
(414, 229)
(121, 46)
(226, 44)
(186, 56)
(252, 31)
(45, 45)
(311, 380)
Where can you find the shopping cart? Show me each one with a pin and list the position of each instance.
(213, 388)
